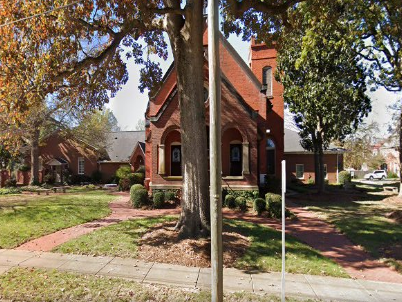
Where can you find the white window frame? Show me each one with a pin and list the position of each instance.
(300, 165)
(325, 171)
(81, 165)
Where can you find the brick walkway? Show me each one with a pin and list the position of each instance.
(121, 210)
(332, 244)
(308, 228)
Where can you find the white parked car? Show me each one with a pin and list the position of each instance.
(377, 174)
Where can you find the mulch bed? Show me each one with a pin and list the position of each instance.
(161, 244)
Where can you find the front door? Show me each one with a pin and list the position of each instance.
(175, 160)
(235, 160)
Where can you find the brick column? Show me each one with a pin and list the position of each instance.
(161, 160)
(246, 158)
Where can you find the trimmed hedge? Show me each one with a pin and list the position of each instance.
(230, 201)
(158, 200)
(269, 197)
(134, 188)
(259, 205)
(137, 178)
(241, 202)
(169, 195)
(139, 198)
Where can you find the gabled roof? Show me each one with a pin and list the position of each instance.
(58, 161)
(292, 144)
(121, 144)
(140, 146)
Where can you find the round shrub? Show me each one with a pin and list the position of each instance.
(139, 198)
(158, 200)
(273, 197)
(274, 209)
(344, 177)
(137, 178)
(241, 202)
(134, 188)
(259, 205)
(123, 172)
(169, 195)
(230, 201)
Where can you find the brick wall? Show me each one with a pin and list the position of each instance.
(308, 161)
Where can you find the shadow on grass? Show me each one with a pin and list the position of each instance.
(363, 217)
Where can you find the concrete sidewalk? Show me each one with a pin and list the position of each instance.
(301, 286)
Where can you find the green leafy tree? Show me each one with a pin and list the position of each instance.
(359, 146)
(94, 126)
(380, 23)
(77, 51)
(323, 79)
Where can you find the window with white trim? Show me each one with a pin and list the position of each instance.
(81, 165)
(300, 171)
(325, 171)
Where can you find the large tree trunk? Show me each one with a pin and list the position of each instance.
(35, 158)
(319, 162)
(187, 46)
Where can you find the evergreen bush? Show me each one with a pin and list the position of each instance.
(230, 201)
(158, 200)
(169, 195)
(139, 198)
(272, 197)
(259, 205)
(134, 188)
(241, 202)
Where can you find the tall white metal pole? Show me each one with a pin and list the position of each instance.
(215, 151)
(283, 229)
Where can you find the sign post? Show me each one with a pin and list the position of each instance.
(283, 229)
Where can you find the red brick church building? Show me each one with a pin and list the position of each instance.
(252, 122)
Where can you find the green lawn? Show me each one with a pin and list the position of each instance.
(25, 217)
(363, 220)
(118, 240)
(264, 254)
(45, 285)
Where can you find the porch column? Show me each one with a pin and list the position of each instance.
(161, 160)
(246, 158)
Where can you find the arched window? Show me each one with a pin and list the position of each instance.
(267, 80)
(236, 158)
(270, 152)
(175, 159)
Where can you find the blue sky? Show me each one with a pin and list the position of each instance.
(129, 104)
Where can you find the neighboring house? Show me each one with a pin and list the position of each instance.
(252, 122)
(123, 148)
(300, 163)
(58, 154)
(390, 153)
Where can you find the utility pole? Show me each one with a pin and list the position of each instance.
(215, 152)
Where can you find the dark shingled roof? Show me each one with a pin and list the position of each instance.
(292, 143)
(121, 144)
